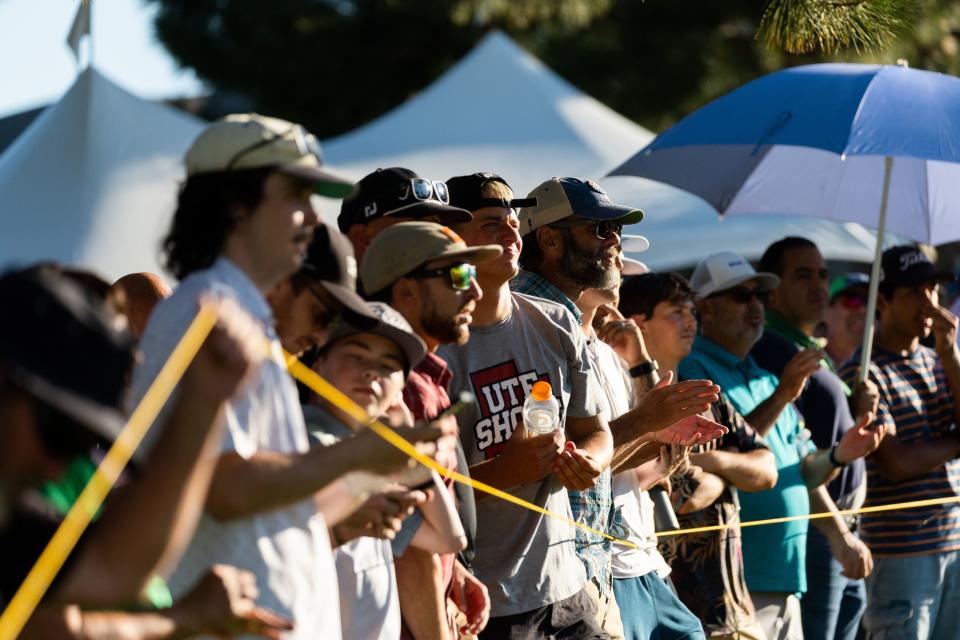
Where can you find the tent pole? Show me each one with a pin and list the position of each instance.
(868, 327)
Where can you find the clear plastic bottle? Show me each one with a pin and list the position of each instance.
(541, 411)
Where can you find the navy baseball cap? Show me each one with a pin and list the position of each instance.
(908, 266)
(466, 192)
(560, 198)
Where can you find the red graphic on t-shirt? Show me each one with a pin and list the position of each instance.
(500, 391)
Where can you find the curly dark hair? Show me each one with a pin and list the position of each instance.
(206, 214)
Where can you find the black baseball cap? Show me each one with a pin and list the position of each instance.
(908, 266)
(330, 259)
(466, 192)
(397, 191)
(61, 345)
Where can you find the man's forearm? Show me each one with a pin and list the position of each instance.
(817, 469)
(765, 415)
(898, 461)
(634, 454)
(423, 600)
(268, 480)
(503, 476)
(834, 528)
(751, 471)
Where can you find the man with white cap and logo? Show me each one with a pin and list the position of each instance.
(731, 297)
(243, 223)
(915, 590)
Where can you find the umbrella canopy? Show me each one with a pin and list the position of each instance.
(811, 141)
(841, 141)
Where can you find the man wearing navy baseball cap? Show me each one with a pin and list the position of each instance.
(916, 557)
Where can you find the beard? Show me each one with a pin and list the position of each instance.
(444, 329)
(585, 268)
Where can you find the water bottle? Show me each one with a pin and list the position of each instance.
(541, 411)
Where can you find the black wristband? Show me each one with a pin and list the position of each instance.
(644, 369)
(833, 458)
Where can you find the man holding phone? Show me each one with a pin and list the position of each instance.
(914, 591)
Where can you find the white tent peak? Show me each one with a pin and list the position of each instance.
(508, 110)
(93, 180)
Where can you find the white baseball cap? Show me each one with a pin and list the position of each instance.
(725, 270)
(633, 267)
(634, 243)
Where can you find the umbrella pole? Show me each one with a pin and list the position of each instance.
(868, 326)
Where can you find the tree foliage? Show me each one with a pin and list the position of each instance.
(336, 64)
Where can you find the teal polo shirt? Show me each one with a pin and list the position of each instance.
(774, 556)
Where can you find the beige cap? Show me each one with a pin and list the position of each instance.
(401, 248)
(251, 141)
(725, 270)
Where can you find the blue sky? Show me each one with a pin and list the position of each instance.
(36, 66)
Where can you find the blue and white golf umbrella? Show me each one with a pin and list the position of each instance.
(846, 142)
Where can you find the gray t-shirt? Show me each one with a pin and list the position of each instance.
(526, 560)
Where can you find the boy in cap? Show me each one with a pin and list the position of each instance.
(426, 272)
(388, 196)
(913, 591)
(243, 223)
(528, 562)
(54, 411)
(370, 366)
(320, 294)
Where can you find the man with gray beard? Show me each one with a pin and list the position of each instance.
(571, 243)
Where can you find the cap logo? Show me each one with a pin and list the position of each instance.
(735, 263)
(351, 266)
(447, 231)
(907, 260)
(593, 185)
(404, 192)
(370, 210)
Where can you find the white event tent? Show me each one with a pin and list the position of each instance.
(502, 110)
(93, 180)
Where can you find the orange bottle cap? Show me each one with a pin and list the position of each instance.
(541, 391)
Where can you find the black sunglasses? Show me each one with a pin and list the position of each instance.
(743, 295)
(602, 229)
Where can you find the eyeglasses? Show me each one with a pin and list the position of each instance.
(329, 318)
(602, 229)
(851, 300)
(428, 190)
(743, 295)
(461, 275)
(305, 142)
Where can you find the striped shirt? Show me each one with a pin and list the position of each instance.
(915, 406)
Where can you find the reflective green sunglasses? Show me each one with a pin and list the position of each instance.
(461, 275)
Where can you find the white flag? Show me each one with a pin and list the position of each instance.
(80, 28)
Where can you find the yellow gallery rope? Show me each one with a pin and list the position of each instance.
(63, 541)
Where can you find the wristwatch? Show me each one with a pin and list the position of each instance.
(833, 458)
(644, 369)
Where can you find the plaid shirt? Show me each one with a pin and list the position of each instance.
(593, 507)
